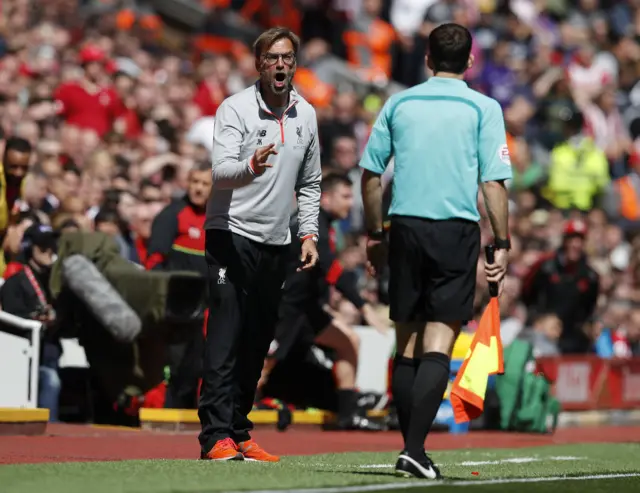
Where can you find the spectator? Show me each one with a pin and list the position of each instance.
(87, 106)
(176, 243)
(545, 334)
(578, 169)
(564, 285)
(26, 294)
(369, 41)
(213, 89)
(622, 199)
(605, 126)
(16, 162)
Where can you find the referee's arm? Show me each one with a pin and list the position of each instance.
(308, 187)
(228, 171)
(375, 159)
(495, 168)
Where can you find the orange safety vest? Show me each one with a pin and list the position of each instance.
(318, 93)
(372, 49)
(629, 202)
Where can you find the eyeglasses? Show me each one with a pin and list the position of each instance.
(272, 58)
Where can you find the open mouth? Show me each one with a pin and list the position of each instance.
(280, 79)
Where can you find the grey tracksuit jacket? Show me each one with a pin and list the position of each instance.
(259, 207)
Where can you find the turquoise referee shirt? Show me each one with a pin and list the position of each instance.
(445, 139)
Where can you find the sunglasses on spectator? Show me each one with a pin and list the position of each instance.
(272, 58)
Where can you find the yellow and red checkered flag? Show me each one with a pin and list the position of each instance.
(484, 358)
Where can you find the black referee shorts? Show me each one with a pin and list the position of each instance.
(432, 269)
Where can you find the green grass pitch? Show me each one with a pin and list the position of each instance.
(611, 468)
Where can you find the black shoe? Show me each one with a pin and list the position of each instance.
(284, 418)
(421, 467)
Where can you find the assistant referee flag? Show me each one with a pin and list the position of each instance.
(484, 358)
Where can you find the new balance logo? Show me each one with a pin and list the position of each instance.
(222, 276)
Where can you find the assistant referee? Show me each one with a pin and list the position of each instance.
(265, 148)
(445, 139)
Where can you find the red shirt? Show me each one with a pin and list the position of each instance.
(141, 250)
(12, 269)
(209, 98)
(132, 127)
(95, 111)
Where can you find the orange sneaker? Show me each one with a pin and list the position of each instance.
(223, 450)
(252, 451)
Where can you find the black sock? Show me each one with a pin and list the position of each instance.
(347, 403)
(428, 391)
(404, 373)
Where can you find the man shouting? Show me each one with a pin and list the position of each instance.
(265, 149)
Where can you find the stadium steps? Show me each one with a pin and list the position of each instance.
(187, 419)
(17, 421)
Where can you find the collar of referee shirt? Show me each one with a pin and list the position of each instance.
(293, 100)
(446, 81)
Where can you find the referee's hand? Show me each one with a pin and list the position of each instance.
(309, 256)
(377, 256)
(260, 158)
(497, 271)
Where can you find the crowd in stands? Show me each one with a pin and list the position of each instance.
(106, 106)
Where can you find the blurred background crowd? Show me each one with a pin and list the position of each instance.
(107, 105)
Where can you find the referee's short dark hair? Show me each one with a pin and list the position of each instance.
(270, 36)
(450, 48)
(332, 180)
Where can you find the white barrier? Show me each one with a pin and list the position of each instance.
(373, 363)
(19, 356)
(73, 354)
(19, 362)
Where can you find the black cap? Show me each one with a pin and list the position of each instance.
(40, 235)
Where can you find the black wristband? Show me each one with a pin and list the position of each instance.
(377, 235)
(502, 244)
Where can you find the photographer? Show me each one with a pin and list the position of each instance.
(26, 294)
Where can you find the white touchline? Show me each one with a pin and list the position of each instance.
(426, 484)
(514, 460)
